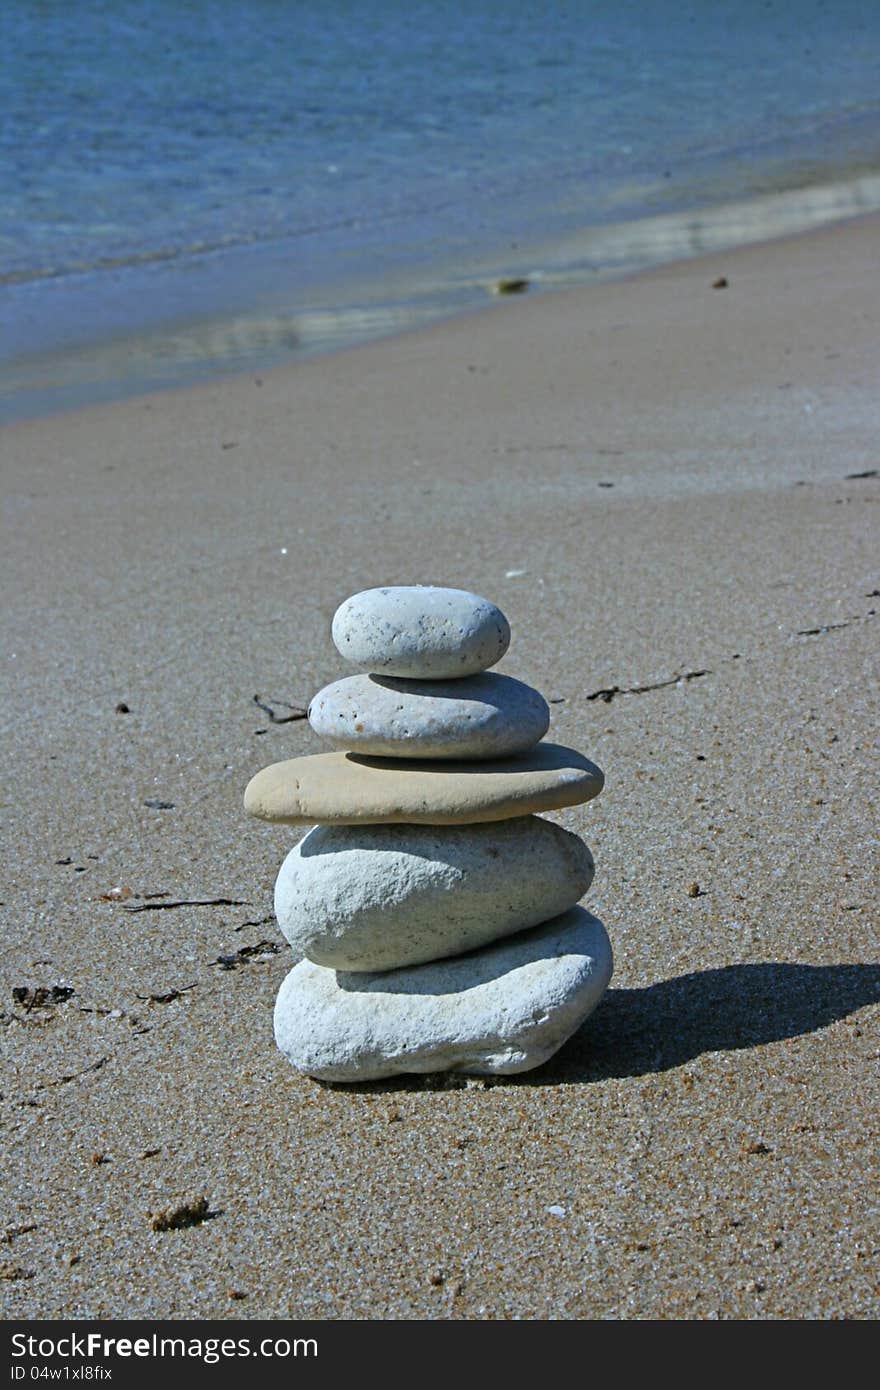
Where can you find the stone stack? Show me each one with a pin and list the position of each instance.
(433, 908)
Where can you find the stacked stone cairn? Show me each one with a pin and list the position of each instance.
(433, 909)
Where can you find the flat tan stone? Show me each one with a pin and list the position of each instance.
(350, 789)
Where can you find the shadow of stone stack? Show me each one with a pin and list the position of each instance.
(434, 909)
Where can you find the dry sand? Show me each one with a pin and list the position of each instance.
(651, 479)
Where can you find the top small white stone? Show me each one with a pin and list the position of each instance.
(420, 632)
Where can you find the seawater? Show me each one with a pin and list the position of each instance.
(189, 186)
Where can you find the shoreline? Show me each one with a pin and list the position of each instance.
(671, 491)
(211, 347)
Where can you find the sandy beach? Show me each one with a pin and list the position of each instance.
(672, 490)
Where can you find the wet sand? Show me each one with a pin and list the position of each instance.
(657, 480)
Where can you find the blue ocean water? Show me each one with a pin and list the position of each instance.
(222, 181)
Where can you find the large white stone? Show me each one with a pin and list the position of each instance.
(421, 631)
(478, 717)
(505, 1008)
(378, 897)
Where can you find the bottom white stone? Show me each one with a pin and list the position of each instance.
(505, 1008)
